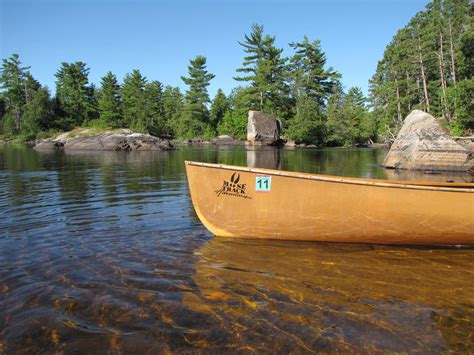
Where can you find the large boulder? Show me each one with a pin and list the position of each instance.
(109, 142)
(423, 144)
(263, 129)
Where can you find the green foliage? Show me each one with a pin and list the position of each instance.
(37, 114)
(98, 124)
(195, 117)
(155, 121)
(349, 123)
(26, 107)
(134, 101)
(173, 102)
(75, 96)
(312, 85)
(308, 125)
(109, 102)
(461, 97)
(266, 71)
(309, 77)
(424, 65)
(219, 107)
(234, 122)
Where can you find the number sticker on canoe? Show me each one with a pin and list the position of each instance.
(263, 183)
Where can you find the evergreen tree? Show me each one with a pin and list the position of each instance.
(155, 121)
(134, 101)
(308, 125)
(173, 102)
(74, 94)
(357, 116)
(109, 101)
(312, 85)
(266, 71)
(37, 114)
(14, 80)
(423, 66)
(234, 122)
(195, 119)
(2, 112)
(349, 122)
(337, 134)
(309, 76)
(219, 107)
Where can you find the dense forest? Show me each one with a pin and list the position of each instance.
(428, 65)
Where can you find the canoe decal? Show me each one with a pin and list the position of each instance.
(263, 183)
(232, 187)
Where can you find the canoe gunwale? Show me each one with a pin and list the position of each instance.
(343, 180)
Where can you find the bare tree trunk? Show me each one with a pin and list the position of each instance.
(16, 111)
(442, 76)
(408, 90)
(423, 77)
(399, 106)
(453, 55)
(420, 95)
(261, 101)
(27, 93)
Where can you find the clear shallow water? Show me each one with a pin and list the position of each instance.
(103, 252)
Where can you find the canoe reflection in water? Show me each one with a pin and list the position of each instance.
(278, 296)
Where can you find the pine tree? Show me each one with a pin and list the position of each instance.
(155, 121)
(16, 83)
(234, 122)
(219, 107)
(173, 102)
(134, 101)
(422, 67)
(109, 102)
(75, 95)
(266, 71)
(308, 74)
(37, 114)
(312, 84)
(308, 125)
(357, 117)
(195, 119)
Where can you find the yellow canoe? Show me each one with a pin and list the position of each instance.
(234, 201)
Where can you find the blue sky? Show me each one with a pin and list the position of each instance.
(159, 37)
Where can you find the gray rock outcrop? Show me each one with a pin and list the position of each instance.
(49, 145)
(263, 129)
(423, 144)
(227, 140)
(109, 142)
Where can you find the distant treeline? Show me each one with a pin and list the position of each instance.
(428, 65)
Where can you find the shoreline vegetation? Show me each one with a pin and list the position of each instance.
(428, 65)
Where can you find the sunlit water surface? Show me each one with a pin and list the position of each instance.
(103, 252)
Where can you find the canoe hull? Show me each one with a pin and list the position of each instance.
(259, 203)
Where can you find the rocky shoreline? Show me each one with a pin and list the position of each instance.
(121, 140)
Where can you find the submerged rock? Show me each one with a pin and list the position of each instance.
(49, 145)
(263, 129)
(227, 140)
(423, 144)
(109, 142)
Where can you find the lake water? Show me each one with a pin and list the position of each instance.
(103, 252)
